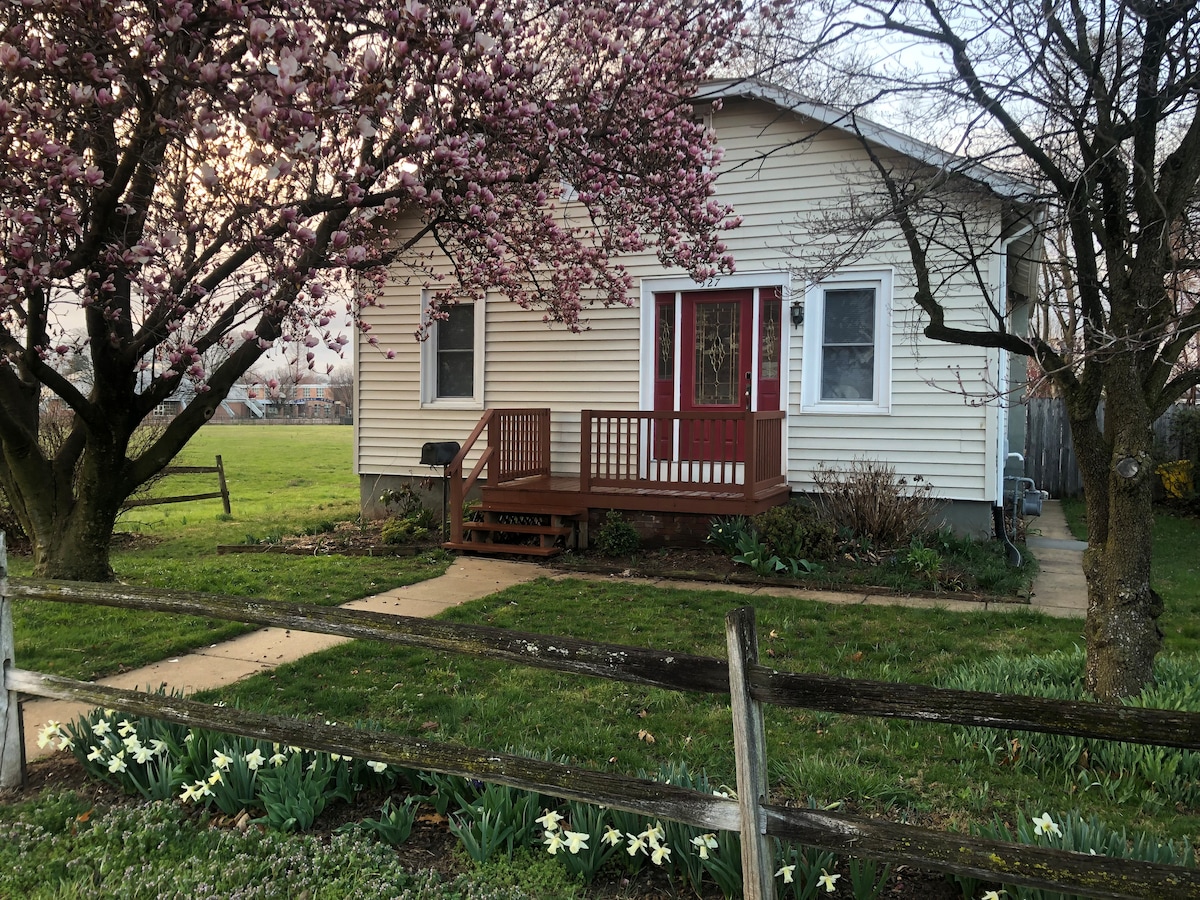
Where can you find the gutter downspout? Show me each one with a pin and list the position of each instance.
(1002, 382)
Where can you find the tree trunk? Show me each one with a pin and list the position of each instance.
(77, 549)
(1122, 633)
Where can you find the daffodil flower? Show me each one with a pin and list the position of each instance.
(1043, 824)
(661, 854)
(992, 895)
(158, 746)
(132, 744)
(143, 755)
(828, 881)
(188, 793)
(377, 767)
(554, 842)
(612, 836)
(95, 754)
(221, 760)
(637, 842)
(576, 840)
(65, 742)
(254, 760)
(125, 728)
(117, 763)
(786, 872)
(703, 843)
(277, 760)
(550, 820)
(101, 728)
(215, 777)
(48, 733)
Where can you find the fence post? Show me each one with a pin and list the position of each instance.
(750, 757)
(223, 486)
(12, 747)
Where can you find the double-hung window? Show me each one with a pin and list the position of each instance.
(847, 344)
(452, 358)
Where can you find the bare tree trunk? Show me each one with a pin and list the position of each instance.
(1122, 633)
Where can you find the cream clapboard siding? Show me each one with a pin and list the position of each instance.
(932, 431)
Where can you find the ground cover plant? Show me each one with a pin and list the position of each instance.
(283, 480)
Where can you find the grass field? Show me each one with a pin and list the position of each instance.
(282, 480)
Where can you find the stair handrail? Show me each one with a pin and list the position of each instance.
(460, 486)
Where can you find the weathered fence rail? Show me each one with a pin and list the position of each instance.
(748, 684)
(221, 492)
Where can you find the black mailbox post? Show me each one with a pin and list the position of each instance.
(441, 453)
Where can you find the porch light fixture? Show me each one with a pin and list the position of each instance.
(797, 313)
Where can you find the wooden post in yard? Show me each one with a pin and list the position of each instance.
(750, 758)
(223, 486)
(12, 747)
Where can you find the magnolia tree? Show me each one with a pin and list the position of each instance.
(185, 184)
(1095, 106)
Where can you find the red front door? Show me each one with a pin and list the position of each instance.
(718, 370)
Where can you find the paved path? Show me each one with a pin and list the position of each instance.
(1059, 590)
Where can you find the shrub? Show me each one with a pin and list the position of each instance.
(403, 531)
(868, 499)
(724, 533)
(796, 531)
(617, 537)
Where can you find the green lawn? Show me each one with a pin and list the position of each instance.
(282, 480)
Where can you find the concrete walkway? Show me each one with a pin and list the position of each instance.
(1058, 590)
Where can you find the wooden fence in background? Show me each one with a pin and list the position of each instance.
(222, 490)
(748, 684)
(1050, 453)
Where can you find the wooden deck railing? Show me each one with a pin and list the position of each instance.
(735, 452)
(748, 685)
(518, 445)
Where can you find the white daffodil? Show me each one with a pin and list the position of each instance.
(655, 835)
(188, 793)
(377, 767)
(65, 742)
(125, 728)
(661, 854)
(637, 842)
(612, 836)
(550, 820)
(216, 777)
(158, 746)
(828, 881)
(221, 760)
(132, 744)
(786, 872)
(143, 755)
(554, 842)
(1043, 824)
(117, 763)
(50, 731)
(277, 759)
(992, 895)
(95, 754)
(576, 840)
(703, 843)
(102, 728)
(254, 760)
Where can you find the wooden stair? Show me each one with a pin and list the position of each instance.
(507, 532)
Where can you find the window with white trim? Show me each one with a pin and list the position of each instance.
(847, 344)
(452, 358)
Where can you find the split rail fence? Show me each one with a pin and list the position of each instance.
(748, 684)
(221, 492)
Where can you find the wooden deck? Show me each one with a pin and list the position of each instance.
(670, 463)
(563, 494)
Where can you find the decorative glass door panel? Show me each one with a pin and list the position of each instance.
(717, 342)
(715, 371)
